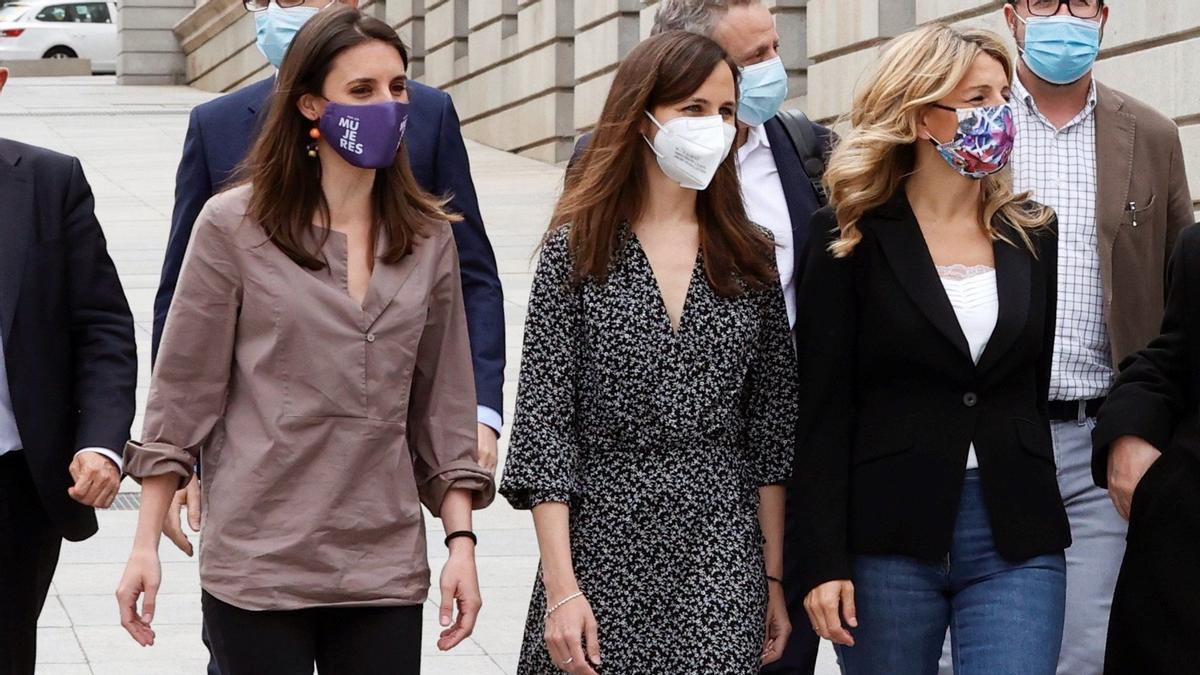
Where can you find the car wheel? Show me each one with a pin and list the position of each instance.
(59, 53)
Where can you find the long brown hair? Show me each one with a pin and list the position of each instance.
(286, 193)
(607, 187)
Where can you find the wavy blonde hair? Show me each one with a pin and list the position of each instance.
(872, 160)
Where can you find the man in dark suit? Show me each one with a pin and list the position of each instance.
(779, 169)
(1154, 409)
(68, 371)
(220, 134)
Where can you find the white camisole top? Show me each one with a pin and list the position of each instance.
(972, 293)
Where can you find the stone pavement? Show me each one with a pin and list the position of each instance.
(129, 140)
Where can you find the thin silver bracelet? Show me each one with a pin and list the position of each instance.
(561, 603)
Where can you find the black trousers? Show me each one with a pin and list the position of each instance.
(800, 656)
(29, 546)
(339, 640)
(1154, 628)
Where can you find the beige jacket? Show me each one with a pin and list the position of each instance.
(1143, 202)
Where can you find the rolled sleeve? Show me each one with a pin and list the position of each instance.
(442, 414)
(147, 460)
(458, 475)
(195, 358)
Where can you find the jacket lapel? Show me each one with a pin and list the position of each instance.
(797, 188)
(905, 249)
(16, 231)
(1115, 134)
(1013, 288)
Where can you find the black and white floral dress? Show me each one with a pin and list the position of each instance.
(658, 440)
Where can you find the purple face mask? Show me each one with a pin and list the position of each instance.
(367, 136)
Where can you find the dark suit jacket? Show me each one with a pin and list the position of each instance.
(68, 334)
(892, 401)
(802, 201)
(1157, 395)
(219, 137)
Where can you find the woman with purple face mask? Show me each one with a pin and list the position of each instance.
(925, 475)
(316, 361)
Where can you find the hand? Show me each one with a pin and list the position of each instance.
(172, 527)
(566, 631)
(96, 480)
(143, 574)
(460, 582)
(779, 628)
(1128, 460)
(485, 454)
(823, 604)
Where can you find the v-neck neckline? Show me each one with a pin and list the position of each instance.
(343, 251)
(675, 330)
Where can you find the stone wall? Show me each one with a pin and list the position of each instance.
(528, 75)
(147, 50)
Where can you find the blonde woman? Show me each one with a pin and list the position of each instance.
(925, 476)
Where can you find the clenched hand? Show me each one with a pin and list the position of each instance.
(96, 480)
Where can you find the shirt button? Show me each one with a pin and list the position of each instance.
(370, 337)
(970, 399)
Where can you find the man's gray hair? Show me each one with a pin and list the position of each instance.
(693, 16)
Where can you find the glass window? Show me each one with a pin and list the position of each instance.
(98, 12)
(82, 14)
(55, 13)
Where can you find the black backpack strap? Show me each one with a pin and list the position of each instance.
(809, 147)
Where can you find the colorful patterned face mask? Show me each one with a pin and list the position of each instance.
(983, 142)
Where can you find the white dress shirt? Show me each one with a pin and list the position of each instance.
(762, 192)
(1059, 167)
(973, 295)
(10, 436)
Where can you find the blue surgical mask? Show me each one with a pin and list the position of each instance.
(764, 88)
(1060, 49)
(275, 27)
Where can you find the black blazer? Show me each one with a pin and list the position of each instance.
(1157, 395)
(892, 400)
(68, 334)
(220, 133)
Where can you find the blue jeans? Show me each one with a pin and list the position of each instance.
(1004, 618)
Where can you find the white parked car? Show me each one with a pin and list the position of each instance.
(52, 29)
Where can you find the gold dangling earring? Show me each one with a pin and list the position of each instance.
(314, 134)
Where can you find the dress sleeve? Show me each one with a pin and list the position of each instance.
(542, 450)
(441, 410)
(771, 390)
(195, 357)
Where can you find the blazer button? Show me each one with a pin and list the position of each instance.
(970, 399)
(370, 337)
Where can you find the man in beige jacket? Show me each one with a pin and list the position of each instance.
(1112, 168)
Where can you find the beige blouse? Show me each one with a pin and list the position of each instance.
(321, 425)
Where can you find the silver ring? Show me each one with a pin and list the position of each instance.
(569, 660)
